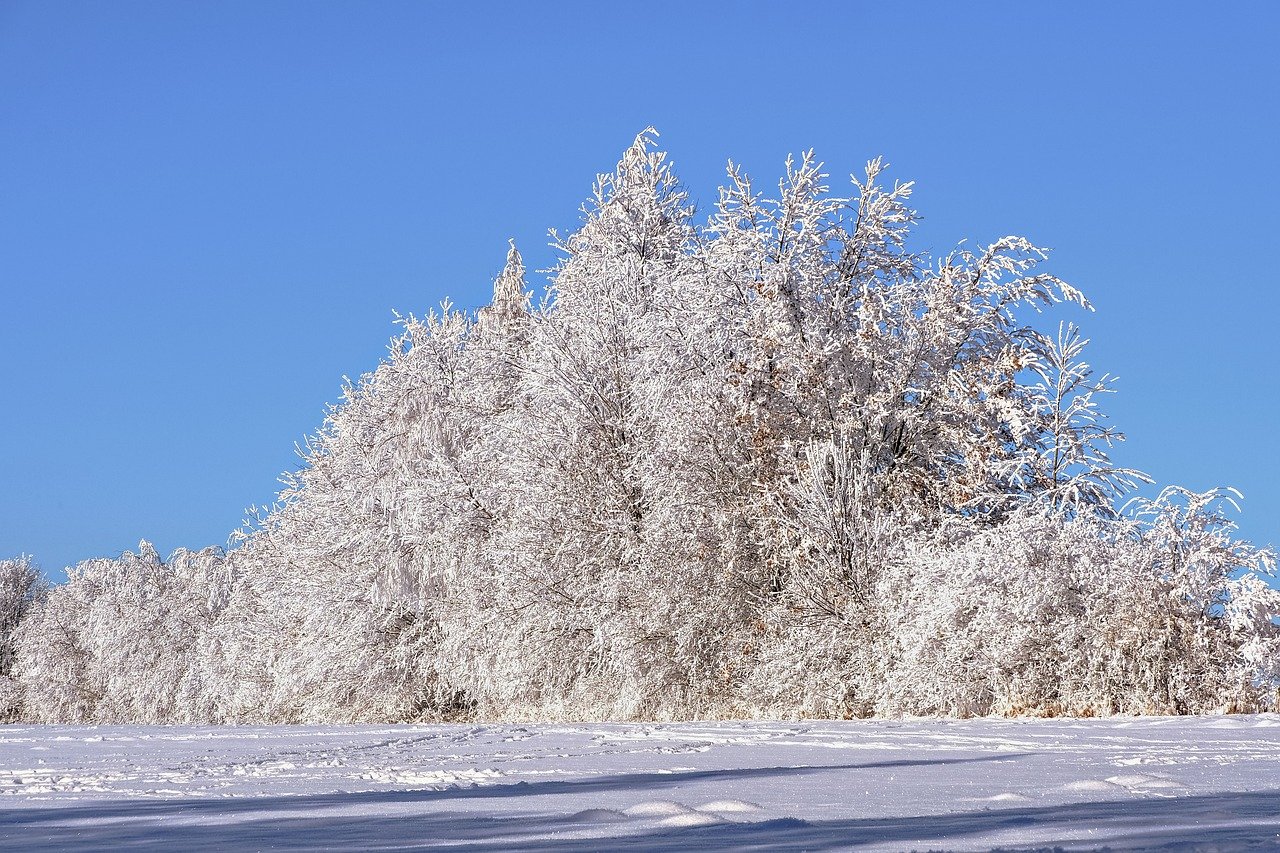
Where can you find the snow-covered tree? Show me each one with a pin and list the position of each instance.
(21, 587)
(121, 640)
(780, 462)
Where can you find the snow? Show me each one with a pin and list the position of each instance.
(1120, 783)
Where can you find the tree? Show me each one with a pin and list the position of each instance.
(21, 587)
(779, 463)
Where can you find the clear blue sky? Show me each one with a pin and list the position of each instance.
(209, 210)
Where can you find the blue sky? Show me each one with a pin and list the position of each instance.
(209, 210)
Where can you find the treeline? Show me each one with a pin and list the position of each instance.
(773, 464)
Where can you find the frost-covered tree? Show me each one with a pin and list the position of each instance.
(21, 587)
(586, 577)
(121, 640)
(335, 606)
(1050, 613)
(775, 463)
(1067, 465)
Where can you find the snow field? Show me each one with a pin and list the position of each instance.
(1122, 783)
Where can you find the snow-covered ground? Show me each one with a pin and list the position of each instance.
(1123, 784)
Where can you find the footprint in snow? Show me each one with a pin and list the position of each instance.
(1089, 785)
(596, 816)
(671, 813)
(1134, 783)
(729, 806)
(1143, 781)
(690, 818)
(1224, 723)
(657, 808)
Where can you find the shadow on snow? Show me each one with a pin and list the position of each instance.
(384, 820)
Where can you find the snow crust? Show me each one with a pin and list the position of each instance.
(1147, 783)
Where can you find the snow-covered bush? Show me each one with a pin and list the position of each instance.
(21, 587)
(121, 641)
(774, 463)
(1053, 615)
